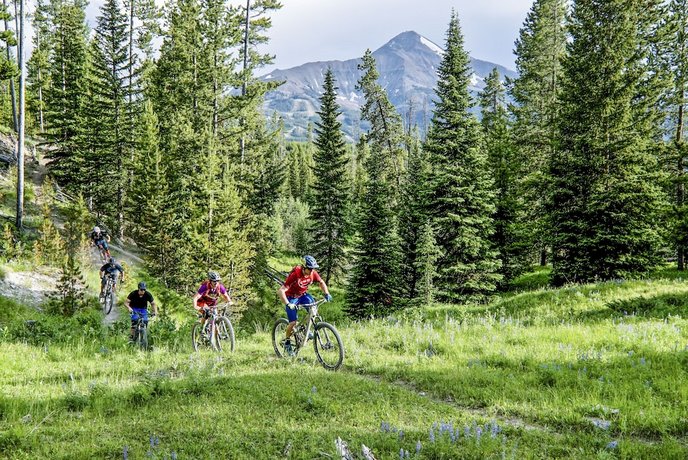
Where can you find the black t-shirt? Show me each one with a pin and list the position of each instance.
(99, 236)
(140, 302)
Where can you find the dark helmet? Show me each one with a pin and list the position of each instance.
(112, 261)
(142, 285)
(213, 276)
(309, 262)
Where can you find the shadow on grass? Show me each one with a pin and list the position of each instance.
(660, 306)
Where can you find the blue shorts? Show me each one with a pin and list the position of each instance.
(102, 244)
(303, 300)
(139, 313)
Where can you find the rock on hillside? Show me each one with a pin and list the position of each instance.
(408, 71)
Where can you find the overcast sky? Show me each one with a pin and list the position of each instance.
(322, 30)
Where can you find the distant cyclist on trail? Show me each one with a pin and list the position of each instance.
(110, 269)
(208, 294)
(137, 304)
(294, 291)
(100, 239)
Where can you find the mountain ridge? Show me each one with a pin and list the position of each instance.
(407, 65)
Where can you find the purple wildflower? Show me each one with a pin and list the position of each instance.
(432, 435)
(478, 433)
(602, 424)
(419, 446)
(173, 455)
(642, 361)
(613, 445)
(314, 390)
(125, 453)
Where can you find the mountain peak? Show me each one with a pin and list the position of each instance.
(411, 40)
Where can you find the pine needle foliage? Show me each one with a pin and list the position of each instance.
(605, 198)
(331, 185)
(462, 196)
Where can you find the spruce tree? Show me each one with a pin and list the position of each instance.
(66, 89)
(462, 199)
(374, 281)
(539, 50)
(329, 203)
(413, 216)
(675, 63)
(39, 63)
(604, 200)
(508, 238)
(425, 263)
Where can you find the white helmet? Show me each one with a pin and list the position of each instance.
(96, 229)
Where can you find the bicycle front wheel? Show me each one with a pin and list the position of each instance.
(199, 340)
(328, 346)
(142, 339)
(109, 300)
(279, 337)
(224, 334)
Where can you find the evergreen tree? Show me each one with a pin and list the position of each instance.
(64, 98)
(413, 215)
(425, 263)
(374, 282)
(39, 63)
(509, 238)
(462, 199)
(375, 277)
(386, 131)
(539, 50)
(329, 204)
(604, 202)
(675, 56)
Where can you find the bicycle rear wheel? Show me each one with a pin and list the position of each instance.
(224, 334)
(279, 337)
(328, 346)
(198, 339)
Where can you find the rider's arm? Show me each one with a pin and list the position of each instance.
(155, 307)
(282, 293)
(126, 303)
(195, 301)
(323, 287)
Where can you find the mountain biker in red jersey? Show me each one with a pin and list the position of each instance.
(294, 291)
(207, 295)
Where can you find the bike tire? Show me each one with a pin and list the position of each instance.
(279, 335)
(109, 299)
(142, 338)
(225, 334)
(197, 339)
(328, 346)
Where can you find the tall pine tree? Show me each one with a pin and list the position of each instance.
(331, 186)
(509, 238)
(604, 201)
(539, 50)
(462, 199)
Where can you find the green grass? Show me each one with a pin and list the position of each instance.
(592, 371)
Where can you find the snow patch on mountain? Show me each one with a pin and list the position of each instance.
(432, 46)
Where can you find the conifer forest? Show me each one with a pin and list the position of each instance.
(540, 217)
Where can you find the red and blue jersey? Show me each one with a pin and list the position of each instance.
(297, 282)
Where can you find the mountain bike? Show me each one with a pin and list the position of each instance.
(108, 293)
(140, 337)
(217, 333)
(326, 340)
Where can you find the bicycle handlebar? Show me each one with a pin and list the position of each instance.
(309, 305)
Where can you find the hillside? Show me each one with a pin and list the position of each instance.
(408, 71)
(599, 370)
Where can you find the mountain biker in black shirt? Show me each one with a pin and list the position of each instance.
(137, 304)
(110, 269)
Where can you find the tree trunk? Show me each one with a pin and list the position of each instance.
(22, 118)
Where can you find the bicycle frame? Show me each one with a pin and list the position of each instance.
(311, 319)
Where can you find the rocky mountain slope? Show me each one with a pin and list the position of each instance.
(408, 70)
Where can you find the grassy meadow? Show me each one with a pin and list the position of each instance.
(593, 371)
